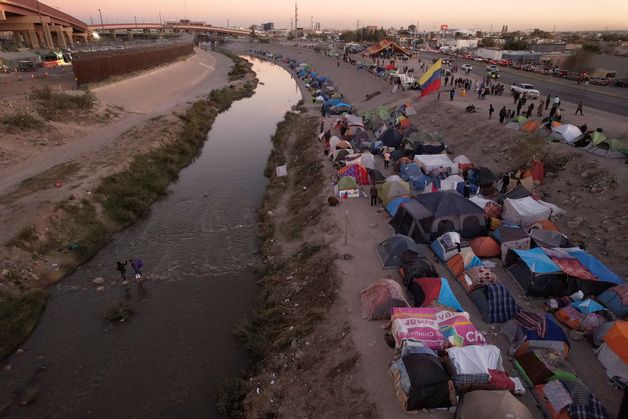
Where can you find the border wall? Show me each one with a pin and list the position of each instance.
(90, 67)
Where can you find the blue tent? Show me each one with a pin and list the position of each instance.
(537, 274)
(409, 170)
(427, 291)
(393, 205)
(596, 267)
(587, 306)
(537, 261)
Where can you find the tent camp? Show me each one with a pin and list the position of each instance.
(613, 353)
(487, 404)
(429, 291)
(537, 274)
(430, 162)
(393, 205)
(341, 154)
(393, 251)
(549, 238)
(477, 277)
(392, 189)
(392, 137)
(365, 159)
(485, 247)
(379, 298)
(494, 303)
(616, 300)
(609, 148)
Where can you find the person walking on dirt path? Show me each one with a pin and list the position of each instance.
(529, 111)
(121, 267)
(373, 193)
(547, 101)
(137, 265)
(516, 98)
(338, 63)
(519, 105)
(490, 111)
(386, 158)
(452, 92)
(502, 114)
(539, 110)
(580, 108)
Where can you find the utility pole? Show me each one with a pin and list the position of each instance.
(135, 17)
(296, 16)
(312, 22)
(291, 24)
(102, 25)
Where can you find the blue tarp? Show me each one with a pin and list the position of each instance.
(446, 296)
(393, 206)
(596, 267)
(537, 260)
(587, 306)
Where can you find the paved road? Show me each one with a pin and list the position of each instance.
(614, 101)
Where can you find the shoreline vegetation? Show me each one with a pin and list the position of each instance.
(299, 280)
(77, 230)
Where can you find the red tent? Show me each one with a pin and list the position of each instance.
(356, 171)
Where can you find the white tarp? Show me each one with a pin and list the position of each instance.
(333, 142)
(525, 211)
(429, 162)
(281, 170)
(480, 201)
(462, 159)
(569, 132)
(450, 183)
(475, 359)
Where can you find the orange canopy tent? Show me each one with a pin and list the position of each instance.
(382, 45)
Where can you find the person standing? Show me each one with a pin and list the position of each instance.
(121, 267)
(386, 158)
(519, 105)
(137, 264)
(547, 101)
(452, 92)
(529, 111)
(539, 110)
(502, 114)
(373, 193)
(580, 108)
(490, 111)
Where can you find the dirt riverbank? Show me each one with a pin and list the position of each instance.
(579, 182)
(81, 201)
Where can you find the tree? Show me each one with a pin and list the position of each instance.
(578, 61)
(488, 42)
(516, 44)
(537, 33)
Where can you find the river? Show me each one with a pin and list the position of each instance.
(198, 244)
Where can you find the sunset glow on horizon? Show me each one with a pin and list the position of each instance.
(563, 15)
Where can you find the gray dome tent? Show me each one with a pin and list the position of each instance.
(393, 251)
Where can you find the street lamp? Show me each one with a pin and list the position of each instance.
(102, 25)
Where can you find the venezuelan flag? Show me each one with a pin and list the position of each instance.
(430, 80)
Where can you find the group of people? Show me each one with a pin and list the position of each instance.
(136, 264)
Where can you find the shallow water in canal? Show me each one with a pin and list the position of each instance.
(170, 359)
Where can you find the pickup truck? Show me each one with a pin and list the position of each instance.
(492, 68)
(526, 88)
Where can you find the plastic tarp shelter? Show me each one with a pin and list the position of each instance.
(613, 353)
(384, 44)
(524, 211)
(537, 274)
(392, 137)
(491, 404)
(427, 291)
(365, 159)
(494, 303)
(392, 251)
(616, 300)
(356, 171)
(568, 132)
(354, 121)
(430, 162)
(379, 298)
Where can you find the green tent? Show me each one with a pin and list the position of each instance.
(347, 182)
(597, 138)
(392, 189)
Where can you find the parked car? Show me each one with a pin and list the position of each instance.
(504, 63)
(621, 82)
(600, 81)
(466, 67)
(529, 68)
(526, 88)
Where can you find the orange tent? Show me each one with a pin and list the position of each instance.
(531, 125)
(485, 247)
(617, 339)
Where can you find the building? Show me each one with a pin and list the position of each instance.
(317, 26)
(489, 53)
(522, 57)
(372, 28)
(269, 26)
(547, 47)
(459, 43)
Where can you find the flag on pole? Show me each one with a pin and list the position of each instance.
(430, 80)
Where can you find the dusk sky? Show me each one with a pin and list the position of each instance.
(470, 14)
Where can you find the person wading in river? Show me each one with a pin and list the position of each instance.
(121, 267)
(137, 265)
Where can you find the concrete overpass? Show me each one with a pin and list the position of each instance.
(37, 25)
(132, 29)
